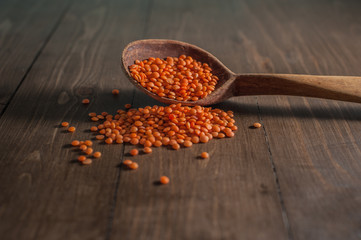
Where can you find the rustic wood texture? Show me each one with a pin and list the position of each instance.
(45, 193)
(314, 144)
(25, 28)
(196, 204)
(295, 178)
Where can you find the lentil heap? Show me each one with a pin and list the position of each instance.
(182, 78)
(173, 125)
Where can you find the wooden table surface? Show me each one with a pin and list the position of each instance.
(298, 177)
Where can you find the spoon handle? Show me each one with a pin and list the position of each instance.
(344, 88)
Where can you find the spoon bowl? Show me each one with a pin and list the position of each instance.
(342, 88)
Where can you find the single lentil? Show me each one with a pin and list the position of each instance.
(83, 147)
(133, 165)
(85, 101)
(115, 91)
(93, 129)
(109, 141)
(134, 152)
(176, 146)
(87, 161)
(81, 158)
(164, 180)
(88, 151)
(147, 150)
(204, 155)
(88, 143)
(75, 143)
(97, 154)
(127, 162)
(71, 129)
(257, 125)
(64, 124)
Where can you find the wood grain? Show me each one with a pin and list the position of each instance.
(315, 144)
(25, 28)
(232, 195)
(45, 193)
(295, 178)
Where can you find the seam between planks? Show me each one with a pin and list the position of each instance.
(115, 194)
(46, 41)
(117, 183)
(278, 188)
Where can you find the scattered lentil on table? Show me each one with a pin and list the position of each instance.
(71, 129)
(174, 125)
(147, 150)
(115, 91)
(204, 155)
(183, 79)
(97, 154)
(134, 152)
(133, 165)
(75, 143)
(164, 180)
(87, 161)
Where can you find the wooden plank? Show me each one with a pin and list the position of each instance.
(45, 194)
(233, 194)
(25, 28)
(315, 144)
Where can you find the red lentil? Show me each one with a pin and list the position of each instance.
(182, 78)
(134, 152)
(75, 143)
(127, 162)
(204, 139)
(71, 129)
(88, 151)
(85, 101)
(147, 150)
(176, 146)
(64, 124)
(93, 129)
(81, 158)
(134, 141)
(157, 143)
(87, 161)
(127, 106)
(204, 155)
(88, 143)
(115, 91)
(133, 165)
(187, 143)
(164, 180)
(83, 147)
(173, 125)
(257, 125)
(97, 154)
(99, 137)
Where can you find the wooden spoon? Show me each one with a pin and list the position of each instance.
(342, 88)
